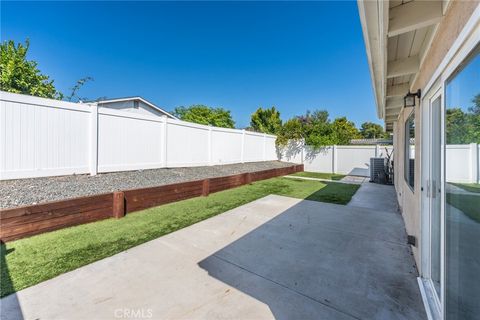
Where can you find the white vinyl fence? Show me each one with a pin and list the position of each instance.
(351, 159)
(44, 137)
(463, 159)
(463, 163)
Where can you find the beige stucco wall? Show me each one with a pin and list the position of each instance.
(447, 32)
(410, 201)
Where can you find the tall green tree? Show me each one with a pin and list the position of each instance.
(266, 120)
(19, 75)
(292, 129)
(370, 130)
(474, 120)
(218, 117)
(317, 128)
(343, 131)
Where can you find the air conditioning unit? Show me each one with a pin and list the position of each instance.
(377, 170)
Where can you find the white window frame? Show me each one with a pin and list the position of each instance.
(435, 309)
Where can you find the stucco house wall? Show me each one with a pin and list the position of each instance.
(409, 200)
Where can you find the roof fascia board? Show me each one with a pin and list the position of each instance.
(374, 20)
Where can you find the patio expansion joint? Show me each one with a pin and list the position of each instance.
(286, 287)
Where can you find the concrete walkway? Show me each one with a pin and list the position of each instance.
(375, 196)
(346, 179)
(276, 257)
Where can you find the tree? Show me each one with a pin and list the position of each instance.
(314, 128)
(343, 131)
(290, 130)
(19, 75)
(202, 114)
(318, 128)
(456, 126)
(475, 109)
(266, 120)
(370, 130)
(473, 120)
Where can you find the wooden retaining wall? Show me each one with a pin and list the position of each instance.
(16, 223)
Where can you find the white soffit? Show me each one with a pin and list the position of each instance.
(397, 36)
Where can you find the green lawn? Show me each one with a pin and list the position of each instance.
(471, 187)
(320, 175)
(467, 203)
(32, 260)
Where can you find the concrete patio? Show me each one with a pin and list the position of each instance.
(276, 257)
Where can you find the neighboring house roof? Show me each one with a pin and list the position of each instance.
(137, 98)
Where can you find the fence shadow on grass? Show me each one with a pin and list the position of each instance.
(9, 306)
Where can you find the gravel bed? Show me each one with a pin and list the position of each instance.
(14, 193)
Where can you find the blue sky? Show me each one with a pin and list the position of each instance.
(238, 55)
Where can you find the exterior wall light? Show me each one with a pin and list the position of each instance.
(409, 99)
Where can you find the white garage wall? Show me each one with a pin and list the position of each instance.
(44, 137)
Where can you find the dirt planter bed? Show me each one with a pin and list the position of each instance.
(19, 222)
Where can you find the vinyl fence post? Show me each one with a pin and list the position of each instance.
(242, 153)
(93, 139)
(209, 146)
(264, 147)
(474, 162)
(164, 142)
(377, 151)
(302, 153)
(334, 159)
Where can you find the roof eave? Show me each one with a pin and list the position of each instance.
(374, 21)
(139, 99)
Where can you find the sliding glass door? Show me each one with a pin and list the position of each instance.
(462, 191)
(432, 200)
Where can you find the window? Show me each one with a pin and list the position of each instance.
(410, 150)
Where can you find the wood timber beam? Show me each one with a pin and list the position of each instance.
(414, 15)
(399, 90)
(403, 67)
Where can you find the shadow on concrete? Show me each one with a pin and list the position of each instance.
(13, 311)
(324, 261)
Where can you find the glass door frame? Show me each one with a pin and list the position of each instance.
(434, 301)
(462, 47)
